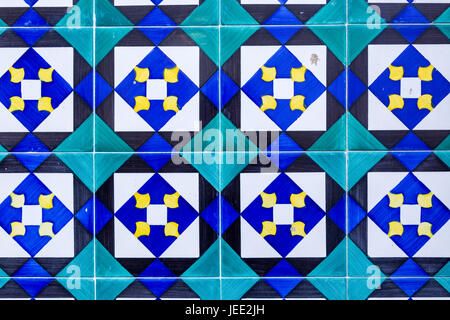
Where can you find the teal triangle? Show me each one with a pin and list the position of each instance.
(108, 15)
(106, 165)
(333, 12)
(359, 138)
(359, 37)
(3, 274)
(81, 289)
(333, 164)
(333, 139)
(445, 282)
(444, 272)
(205, 14)
(234, 289)
(359, 261)
(81, 140)
(207, 39)
(109, 289)
(83, 264)
(2, 156)
(106, 265)
(233, 265)
(207, 289)
(207, 265)
(362, 288)
(81, 39)
(82, 17)
(334, 265)
(359, 12)
(106, 140)
(106, 39)
(3, 280)
(444, 156)
(232, 38)
(359, 163)
(444, 145)
(444, 18)
(82, 166)
(331, 288)
(234, 14)
(335, 39)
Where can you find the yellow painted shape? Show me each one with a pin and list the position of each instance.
(424, 229)
(269, 74)
(269, 228)
(17, 104)
(171, 75)
(171, 230)
(171, 104)
(395, 229)
(396, 73)
(141, 103)
(268, 102)
(425, 102)
(298, 200)
(46, 75)
(298, 229)
(395, 200)
(395, 102)
(45, 104)
(298, 103)
(268, 200)
(142, 74)
(171, 200)
(425, 200)
(46, 202)
(142, 200)
(46, 229)
(426, 74)
(17, 200)
(142, 229)
(17, 75)
(17, 229)
(298, 74)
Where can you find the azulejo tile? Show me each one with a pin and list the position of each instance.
(155, 88)
(374, 12)
(399, 224)
(46, 13)
(46, 224)
(283, 12)
(46, 90)
(284, 87)
(398, 88)
(283, 217)
(157, 12)
(157, 217)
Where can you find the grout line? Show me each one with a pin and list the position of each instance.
(94, 19)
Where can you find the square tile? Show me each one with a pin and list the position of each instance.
(46, 90)
(284, 87)
(398, 88)
(155, 88)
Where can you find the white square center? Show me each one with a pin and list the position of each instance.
(157, 215)
(411, 88)
(32, 215)
(283, 214)
(31, 89)
(410, 214)
(156, 89)
(283, 88)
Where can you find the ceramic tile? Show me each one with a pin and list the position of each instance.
(284, 87)
(398, 88)
(398, 222)
(155, 88)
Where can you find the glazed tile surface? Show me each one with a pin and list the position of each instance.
(224, 149)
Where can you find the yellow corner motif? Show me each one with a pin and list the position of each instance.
(426, 74)
(298, 229)
(171, 104)
(17, 229)
(45, 104)
(171, 200)
(142, 200)
(141, 103)
(395, 200)
(46, 229)
(298, 74)
(396, 73)
(269, 74)
(269, 228)
(17, 104)
(17, 75)
(268, 200)
(17, 200)
(171, 230)
(171, 75)
(298, 200)
(46, 75)
(142, 229)
(298, 103)
(424, 229)
(268, 102)
(142, 74)
(425, 200)
(425, 102)
(395, 102)
(395, 229)
(46, 202)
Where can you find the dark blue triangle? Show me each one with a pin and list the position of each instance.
(156, 18)
(411, 32)
(337, 214)
(410, 277)
(156, 35)
(31, 2)
(86, 216)
(338, 88)
(102, 89)
(357, 214)
(282, 17)
(211, 89)
(157, 269)
(283, 34)
(229, 215)
(156, 161)
(30, 144)
(84, 89)
(102, 216)
(411, 159)
(158, 286)
(410, 15)
(156, 143)
(411, 142)
(211, 214)
(31, 162)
